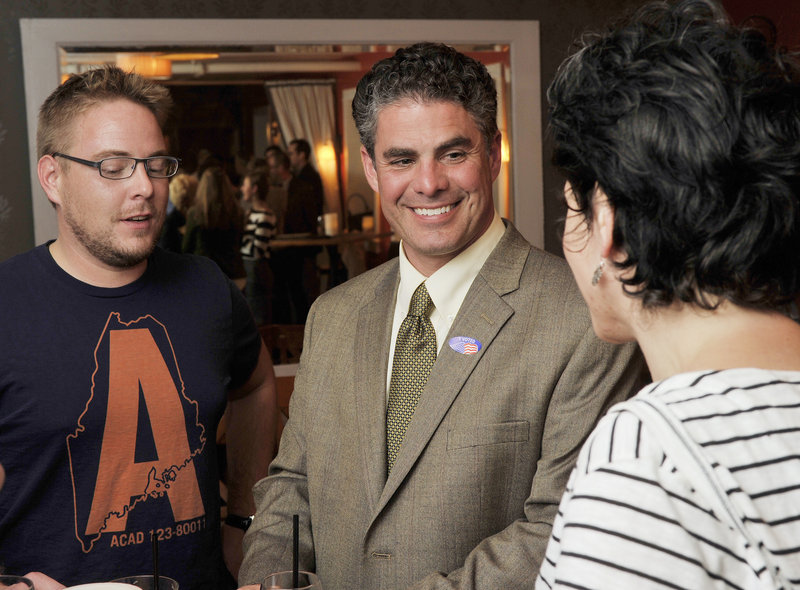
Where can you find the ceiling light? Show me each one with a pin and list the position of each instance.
(149, 66)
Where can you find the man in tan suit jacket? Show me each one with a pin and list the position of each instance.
(471, 497)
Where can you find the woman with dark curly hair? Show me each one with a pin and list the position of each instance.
(679, 137)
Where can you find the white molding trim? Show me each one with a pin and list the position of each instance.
(41, 39)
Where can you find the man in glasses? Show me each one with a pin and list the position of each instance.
(117, 360)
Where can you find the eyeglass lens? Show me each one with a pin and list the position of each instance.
(157, 167)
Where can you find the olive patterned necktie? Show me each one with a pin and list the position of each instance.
(414, 355)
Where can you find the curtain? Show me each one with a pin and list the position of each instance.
(305, 110)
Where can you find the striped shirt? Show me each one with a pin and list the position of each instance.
(629, 519)
(258, 231)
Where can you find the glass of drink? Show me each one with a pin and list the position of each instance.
(102, 586)
(147, 582)
(283, 581)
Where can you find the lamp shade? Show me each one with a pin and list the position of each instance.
(149, 66)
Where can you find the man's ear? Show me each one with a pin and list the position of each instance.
(603, 222)
(496, 155)
(369, 169)
(49, 173)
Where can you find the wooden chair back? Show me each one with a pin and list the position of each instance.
(284, 342)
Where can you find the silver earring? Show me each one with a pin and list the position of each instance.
(598, 272)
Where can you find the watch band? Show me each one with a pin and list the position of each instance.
(240, 522)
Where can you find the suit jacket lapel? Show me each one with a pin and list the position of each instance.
(371, 360)
(482, 315)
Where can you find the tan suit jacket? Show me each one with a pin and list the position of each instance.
(473, 494)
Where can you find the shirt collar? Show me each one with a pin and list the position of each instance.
(449, 285)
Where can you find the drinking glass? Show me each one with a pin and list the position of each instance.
(15, 583)
(147, 582)
(103, 586)
(283, 581)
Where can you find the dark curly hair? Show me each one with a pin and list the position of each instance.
(426, 72)
(691, 126)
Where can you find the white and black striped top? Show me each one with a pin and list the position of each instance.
(258, 231)
(629, 519)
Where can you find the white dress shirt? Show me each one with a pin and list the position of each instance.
(447, 286)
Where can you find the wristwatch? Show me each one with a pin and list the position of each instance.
(240, 522)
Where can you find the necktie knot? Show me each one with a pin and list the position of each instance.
(421, 303)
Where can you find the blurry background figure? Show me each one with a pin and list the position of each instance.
(205, 159)
(259, 230)
(300, 158)
(294, 269)
(253, 164)
(182, 190)
(215, 224)
(278, 183)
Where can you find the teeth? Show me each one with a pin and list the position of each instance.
(140, 218)
(431, 212)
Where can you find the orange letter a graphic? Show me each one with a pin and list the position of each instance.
(136, 364)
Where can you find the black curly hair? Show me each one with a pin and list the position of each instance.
(691, 126)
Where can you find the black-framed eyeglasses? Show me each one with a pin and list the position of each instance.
(122, 167)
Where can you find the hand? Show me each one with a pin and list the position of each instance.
(43, 582)
(232, 551)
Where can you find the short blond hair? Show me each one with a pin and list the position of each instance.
(83, 91)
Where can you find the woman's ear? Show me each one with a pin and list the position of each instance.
(603, 222)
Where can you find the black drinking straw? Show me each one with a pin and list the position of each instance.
(295, 550)
(155, 562)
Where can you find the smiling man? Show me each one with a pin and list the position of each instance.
(117, 360)
(442, 397)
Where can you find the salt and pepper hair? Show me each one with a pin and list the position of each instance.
(83, 91)
(691, 126)
(426, 72)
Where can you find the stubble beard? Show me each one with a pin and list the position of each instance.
(104, 249)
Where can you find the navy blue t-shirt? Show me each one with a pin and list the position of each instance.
(109, 405)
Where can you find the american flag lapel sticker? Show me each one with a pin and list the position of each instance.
(465, 345)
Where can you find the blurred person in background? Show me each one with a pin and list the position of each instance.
(300, 157)
(182, 189)
(258, 231)
(215, 224)
(295, 268)
(277, 197)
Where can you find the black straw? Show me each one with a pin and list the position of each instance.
(155, 562)
(295, 550)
